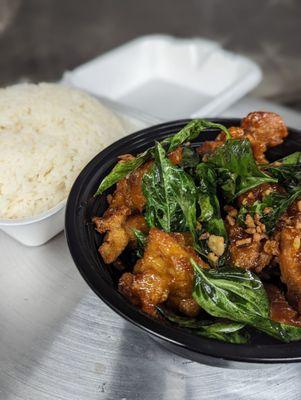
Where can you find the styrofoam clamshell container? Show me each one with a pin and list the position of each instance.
(168, 77)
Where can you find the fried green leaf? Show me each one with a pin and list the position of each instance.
(209, 206)
(190, 158)
(226, 292)
(184, 322)
(292, 159)
(288, 172)
(236, 168)
(230, 332)
(226, 331)
(210, 215)
(191, 131)
(170, 195)
(141, 239)
(121, 170)
(284, 332)
(238, 295)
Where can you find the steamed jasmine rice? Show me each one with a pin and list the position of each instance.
(48, 133)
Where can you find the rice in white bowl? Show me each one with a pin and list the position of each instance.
(48, 133)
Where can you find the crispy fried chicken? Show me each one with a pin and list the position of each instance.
(263, 129)
(280, 310)
(290, 253)
(163, 274)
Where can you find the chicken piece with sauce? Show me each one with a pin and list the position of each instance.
(290, 253)
(122, 214)
(280, 310)
(163, 274)
(118, 227)
(263, 129)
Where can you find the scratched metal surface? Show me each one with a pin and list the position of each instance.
(59, 341)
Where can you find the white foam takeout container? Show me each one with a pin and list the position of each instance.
(147, 81)
(168, 77)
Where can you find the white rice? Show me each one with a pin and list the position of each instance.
(48, 133)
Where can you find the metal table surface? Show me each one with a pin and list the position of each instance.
(59, 341)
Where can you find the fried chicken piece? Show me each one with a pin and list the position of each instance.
(183, 238)
(253, 251)
(263, 129)
(245, 251)
(116, 238)
(175, 157)
(118, 228)
(280, 310)
(121, 215)
(290, 253)
(129, 191)
(164, 273)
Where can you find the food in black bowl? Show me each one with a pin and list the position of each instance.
(195, 237)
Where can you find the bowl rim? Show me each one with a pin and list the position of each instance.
(250, 353)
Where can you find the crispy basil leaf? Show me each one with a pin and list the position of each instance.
(121, 170)
(230, 332)
(210, 213)
(238, 295)
(141, 239)
(191, 131)
(170, 195)
(184, 322)
(208, 200)
(277, 204)
(237, 169)
(190, 158)
(289, 176)
(288, 173)
(186, 134)
(229, 291)
(226, 331)
(285, 333)
(292, 159)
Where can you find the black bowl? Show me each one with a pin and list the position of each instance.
(84, 241)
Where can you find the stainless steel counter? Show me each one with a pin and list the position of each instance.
(59, 341)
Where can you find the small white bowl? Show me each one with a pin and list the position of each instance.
(37, 230)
